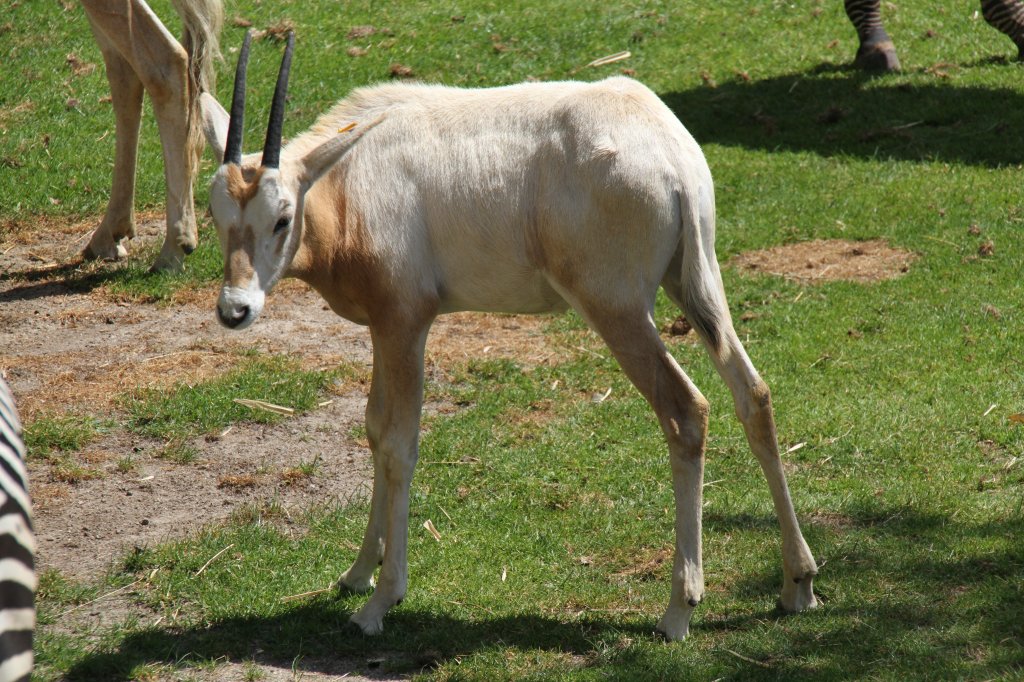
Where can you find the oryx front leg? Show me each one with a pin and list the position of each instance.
(683, 414)
(392, 422)
(126, 93)
(359, 577)
(754, 409)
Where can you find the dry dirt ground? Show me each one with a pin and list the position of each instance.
(67, 351)
(821, 260)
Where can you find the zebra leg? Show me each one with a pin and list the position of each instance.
(1008, 17)
(876, 51)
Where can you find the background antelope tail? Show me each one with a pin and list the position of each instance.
(203, 20)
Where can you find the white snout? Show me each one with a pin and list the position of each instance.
(238, 308)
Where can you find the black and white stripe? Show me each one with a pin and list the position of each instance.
(1006, 16)
(866, 17)
(17, 549)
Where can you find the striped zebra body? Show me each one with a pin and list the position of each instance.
(877, 52)
(1006, 16)
(17, 549)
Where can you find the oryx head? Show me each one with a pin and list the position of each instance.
(257, 201)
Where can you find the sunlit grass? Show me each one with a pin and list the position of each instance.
(193, 410)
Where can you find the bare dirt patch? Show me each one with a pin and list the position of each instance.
(823, 260)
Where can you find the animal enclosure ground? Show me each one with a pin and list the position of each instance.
(71, 350)
(542, 471)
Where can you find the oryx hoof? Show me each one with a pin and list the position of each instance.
(354, 585)
(370, 618)
(798, 594)
(368, 624)
(674, 626)
(107, 250)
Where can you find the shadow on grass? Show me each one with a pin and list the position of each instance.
(894, 604)
(75, 276)
(834, 111)
(905, 592)
(320, 630)
(132, 280)
(79, 277)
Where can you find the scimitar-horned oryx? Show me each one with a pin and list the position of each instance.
(523, 199)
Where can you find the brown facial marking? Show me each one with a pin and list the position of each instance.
(239, 189)
(238, 269)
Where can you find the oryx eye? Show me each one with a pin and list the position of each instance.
(282, 225)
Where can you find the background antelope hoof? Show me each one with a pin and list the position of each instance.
(171, 259)
(104, 249)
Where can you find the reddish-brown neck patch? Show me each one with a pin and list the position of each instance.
(240, 190)
(337, 256)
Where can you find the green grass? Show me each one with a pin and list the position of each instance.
(179, 452)
(308, 468)
(52, 433)
(910, 488)
(132, 281)
(206, 407)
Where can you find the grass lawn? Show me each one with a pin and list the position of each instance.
(556, 522)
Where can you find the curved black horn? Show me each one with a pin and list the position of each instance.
(272, 147)
(233, 147)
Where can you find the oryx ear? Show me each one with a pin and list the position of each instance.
(215, 124)
(319, 160)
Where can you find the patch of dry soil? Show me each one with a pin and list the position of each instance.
(823, 260)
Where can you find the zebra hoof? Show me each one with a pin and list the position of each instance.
(880, 56)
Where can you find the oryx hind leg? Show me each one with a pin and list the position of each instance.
(754, 409)
(682, 412)
(752, 400)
